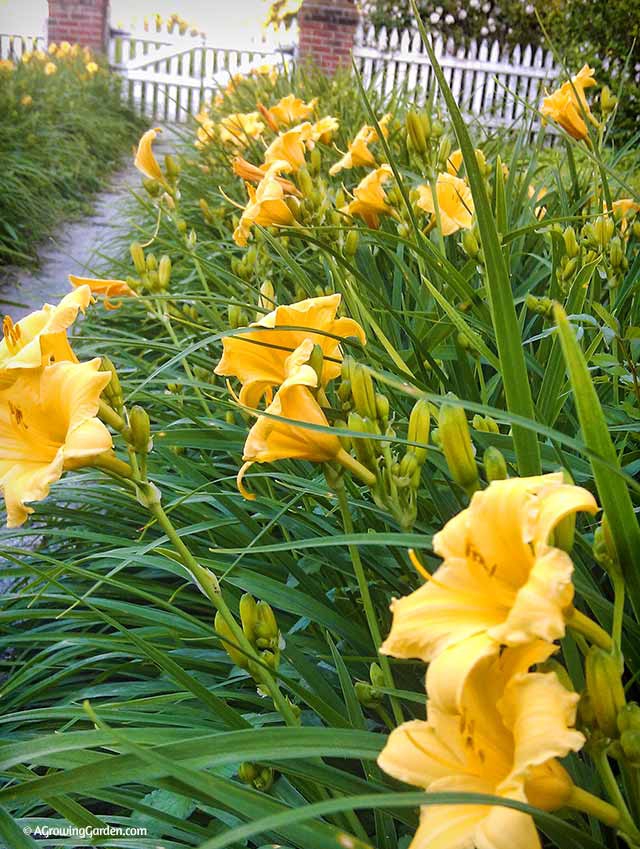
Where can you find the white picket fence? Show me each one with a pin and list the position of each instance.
(489, 82)
(13, 46)
(169, 76)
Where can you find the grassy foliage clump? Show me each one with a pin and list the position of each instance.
(184, 659)
(63, 129)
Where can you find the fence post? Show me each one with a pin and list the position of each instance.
(327, 32)
(83, 22)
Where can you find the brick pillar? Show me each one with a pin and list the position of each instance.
(327, 31)
(84, 22)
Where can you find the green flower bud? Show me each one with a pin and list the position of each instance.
(363, 392)
(137, 255)
(151, 262)
(366, 694)
(164, 271)
(470, 244)
(604, 549)
(264, 780)
(181, 225)
(568, 269)
(426, 124)
(316, 361)
(541, 306)
(267, 299)
(603, 230)
(376, 675)
(382, 407)
(604, 683)
(419, 427)
(570, 242)
(315, 161)
(140, 430)
(294, 206)
(630, 744)
(247, 772)
(495, 466)
(608, 101)
(266, 626)
(234, 313)
(444, 150)
(351, 243)
(248, 616)
(112, 393)
(616, 254)
(408, 465)
(229, 642)
(364, 449)
(629, 718)
(457, 447)
(415, 129)
(171, 166)
(152, 187)
(305, 182)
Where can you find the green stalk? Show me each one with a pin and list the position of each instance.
(589, 629)
(503, 312)
(625, 824)
(370, 613)
(612, 489)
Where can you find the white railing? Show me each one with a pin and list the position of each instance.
(491, 83)
(168, 76)
(13, 46)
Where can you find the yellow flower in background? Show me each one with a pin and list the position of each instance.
(267, 205)
(50, 68)
(536, 195)
(505, 739)
(568, 106)
(270, 439)
(26, 100)
(48, 424)
(92, 68)
(456, 161)
(358, 153)
(40, 337)
(53, 48)
(289, 147)
(324, 129)
(291, 109)
(370, 200)
(502, 580)
(26, 57)
(623, 210)
(105, 288)
(255, 173)
(145, 160)
(258, 358)
(455, 203)
(7, 65)
(65, 48)
(237, 129)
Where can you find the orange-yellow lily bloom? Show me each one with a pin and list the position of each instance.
(291, 109)
(504, 740)
(324, 129)
(40, 337)
(270, 439)
(502, 578)
(289, 147)
(370, 200)
(48, 424)
(259, 357)
(456, 160)
(107, 288)
(455, 203)
(568, 106)
(237, 129)
(267, 205)
(145, 159)
(358, 153)
(255, 173)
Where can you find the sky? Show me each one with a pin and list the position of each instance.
(222, 20)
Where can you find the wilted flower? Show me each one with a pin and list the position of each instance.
(455, 203)
(568, 106)
(48, 424)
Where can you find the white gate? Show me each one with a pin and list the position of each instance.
(489, 82)
(168, 77)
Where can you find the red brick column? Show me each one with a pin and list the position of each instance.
(84, 22)
(327, 30)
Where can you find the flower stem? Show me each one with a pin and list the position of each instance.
(370, 613)
(581, 800)
(109, 416)
(590, 629)
(356, 468)
(625, 824)
(618, 610)
(110, 463)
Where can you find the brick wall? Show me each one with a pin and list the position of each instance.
(327, 30)
(83, 21)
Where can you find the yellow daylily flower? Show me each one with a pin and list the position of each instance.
(26, 100)
(48, 424)
(568, 106)
(7, 65)
(267, 205)
(50, 68)
(107, 288)
(504, 741)
(324, 129)
(40, 337)
(237, 129)
(53, 48)
(358, 153)
(623, 210)
(456, 160)
(255, 173)
(370, 200)
(270, 439)
(259, 357)
(289, 147)
(92, 68)
(501, 577)
(455, 203)
(536, 195)
(291, 109)
(145, 160)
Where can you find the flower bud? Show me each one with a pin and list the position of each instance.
(559, 671)
(629, 718)
(229, 641)
(266, 626)
(316, 361)
(267, 298)
(564, 531)
(485, 424)
(408, 465)
(112, 393)
(248, 616)
(235, 316)
(366, 694)
(137, 255)
(264, 780)
(140, 430)
(363, 392)
(608, 101)
(305, 182)
(171, 166)
(164, 271)
(315, 161)
(616, 254)
(570, 242)
(247, 772)
(415, 129)
(151, 262)
(444, 150)
(351, 243)
(382, 407)
(603, 230)
(376, 675)
(457, 447)
(541, 306)
(152, 187)
(630, 744)
(604, 682)
(495, 466)
(470, 244)
(365, 451)
(294, 206)
(419, 427)
(181, 225)
(548, 786)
